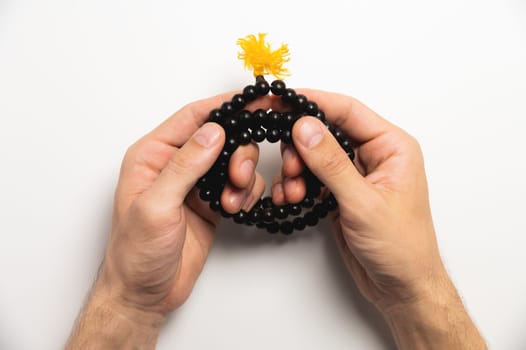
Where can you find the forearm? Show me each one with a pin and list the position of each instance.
(438, 321)
(104, 324)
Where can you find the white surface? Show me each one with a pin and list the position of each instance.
(80, 81)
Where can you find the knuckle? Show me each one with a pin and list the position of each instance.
(131, 153)
(413, 144)
(334, 163)
(179, 164)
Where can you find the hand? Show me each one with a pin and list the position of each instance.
(161, 231)
(384, 227)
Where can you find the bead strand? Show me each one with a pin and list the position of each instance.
(243, 127)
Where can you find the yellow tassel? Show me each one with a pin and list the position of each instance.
(258, 56)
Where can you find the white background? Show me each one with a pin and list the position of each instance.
(82, 80)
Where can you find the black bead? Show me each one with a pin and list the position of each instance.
(273, 135)
(215, 116)
(277, 87)
(231, 144)
(286, 121)
(266, 202)
(240, 217)
(262, 86)
(313, 190)
(298, 224)
(215, 205)
(289, 96)
(301, 102)
(230, 123)
(258, 134)
(238, 102)
(202, 182)
(320, 115)
(258, 117)
(272, 227)
(220, 165)
(338, 134)
(311, 108)
(273, 119)
(310, 178)
(307, 202)
(224, 155)
(220, 178)
(225, 214)
(330, 127)
(280, 212)
(245, 119)
(346, 145)
(286, 227)
(350, 154)
(244, 137)
(294, 209)
(249, 93)
(321, 210)
(286, 137)
(268, 215)
(310, 219)
(255, 215)
(206, 194)
(331, 202)
(227, 108)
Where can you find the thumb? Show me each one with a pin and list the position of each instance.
(187, 165)
(328, 161)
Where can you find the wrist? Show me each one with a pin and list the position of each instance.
(107, 323)
(436, 319)
(109, 294)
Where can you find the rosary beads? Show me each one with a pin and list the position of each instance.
(242, 127)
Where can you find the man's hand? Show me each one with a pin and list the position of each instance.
(383, 228)
(161, 231)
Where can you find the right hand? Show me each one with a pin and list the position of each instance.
(384, 228)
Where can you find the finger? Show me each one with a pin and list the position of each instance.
(187, 165)
(292, 163)
(277, 191)
(294, 189)
(329, 162)
(288, 189)
(255, 193)
(234, 199)
(357, 120)
(243, 164)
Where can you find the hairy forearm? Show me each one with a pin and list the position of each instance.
(104, 324)
(437, 321)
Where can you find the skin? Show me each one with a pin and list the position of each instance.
(162, 233)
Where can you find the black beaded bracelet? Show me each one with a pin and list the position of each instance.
(242, 127)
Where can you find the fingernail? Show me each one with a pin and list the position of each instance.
(207, 135)
(310, 134)
(277, 192)
(237, 198)
(247, 168)
(248, 201)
